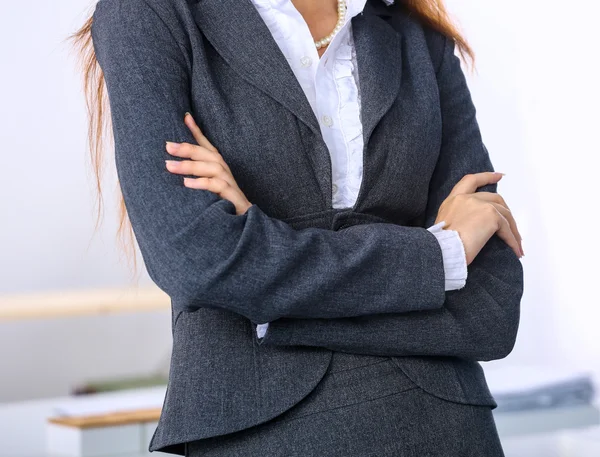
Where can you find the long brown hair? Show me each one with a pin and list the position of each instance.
(430, 12)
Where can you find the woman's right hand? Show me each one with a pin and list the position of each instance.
(476, 216)
(213, 173)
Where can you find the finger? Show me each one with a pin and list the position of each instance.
(190, 151)
(188, 119)
(504, 231)
(498, 199)
(215, 185)
(200, 168)
(471, 182)
(512, 224)
(195, 152)
(491, 196)
(222, 188)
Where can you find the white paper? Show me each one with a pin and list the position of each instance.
(103, 403)
(517, 379)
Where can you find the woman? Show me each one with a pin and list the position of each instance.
(339, 260)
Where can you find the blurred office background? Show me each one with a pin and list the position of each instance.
(537, 94)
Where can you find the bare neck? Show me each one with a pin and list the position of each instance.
(320, 15)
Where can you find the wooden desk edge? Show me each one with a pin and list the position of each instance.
(71, 303)
(108, 420)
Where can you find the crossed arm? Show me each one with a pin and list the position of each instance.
(203, 254)
(479, 321)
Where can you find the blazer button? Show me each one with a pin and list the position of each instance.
(334, 187)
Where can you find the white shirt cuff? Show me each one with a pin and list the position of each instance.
(453, 252)
(261, 329)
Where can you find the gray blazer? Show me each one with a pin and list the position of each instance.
(366, 280)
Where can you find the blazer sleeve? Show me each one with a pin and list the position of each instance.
(479, 321)
(194, 245)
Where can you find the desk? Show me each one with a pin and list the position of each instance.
(23, 426)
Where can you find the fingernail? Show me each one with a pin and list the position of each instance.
(171, 162)
(498, 173)
(173, 145)
(186, 113)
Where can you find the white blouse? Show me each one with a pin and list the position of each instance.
(331, 85)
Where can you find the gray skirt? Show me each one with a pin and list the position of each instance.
(364, 407)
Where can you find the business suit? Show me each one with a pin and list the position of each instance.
(366, 280)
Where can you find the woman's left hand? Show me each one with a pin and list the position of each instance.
(208, 164)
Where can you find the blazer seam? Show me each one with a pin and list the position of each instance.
(443, 58)
(175, 40)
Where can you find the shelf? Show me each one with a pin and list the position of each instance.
(70, 303)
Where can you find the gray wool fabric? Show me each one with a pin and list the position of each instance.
(381, 413)
(366, 280)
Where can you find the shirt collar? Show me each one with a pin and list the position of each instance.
(354, 6)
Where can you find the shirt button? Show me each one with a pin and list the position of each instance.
(334, 187)
(327, 120)
(306, 61)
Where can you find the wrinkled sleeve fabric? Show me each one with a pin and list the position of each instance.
(454, 258)
(194, 245)
(480, 320)
(454, 255)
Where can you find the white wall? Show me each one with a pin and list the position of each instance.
(537, 95)
(48, 358)
(47, 216)
(47, 200)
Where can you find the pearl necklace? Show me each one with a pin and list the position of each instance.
(338, 26)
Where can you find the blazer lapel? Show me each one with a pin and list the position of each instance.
(240, 36)
(258, 59)
(379, 59)
(238, 33)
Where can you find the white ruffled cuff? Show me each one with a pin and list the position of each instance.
(261, 329)
(453, 252)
